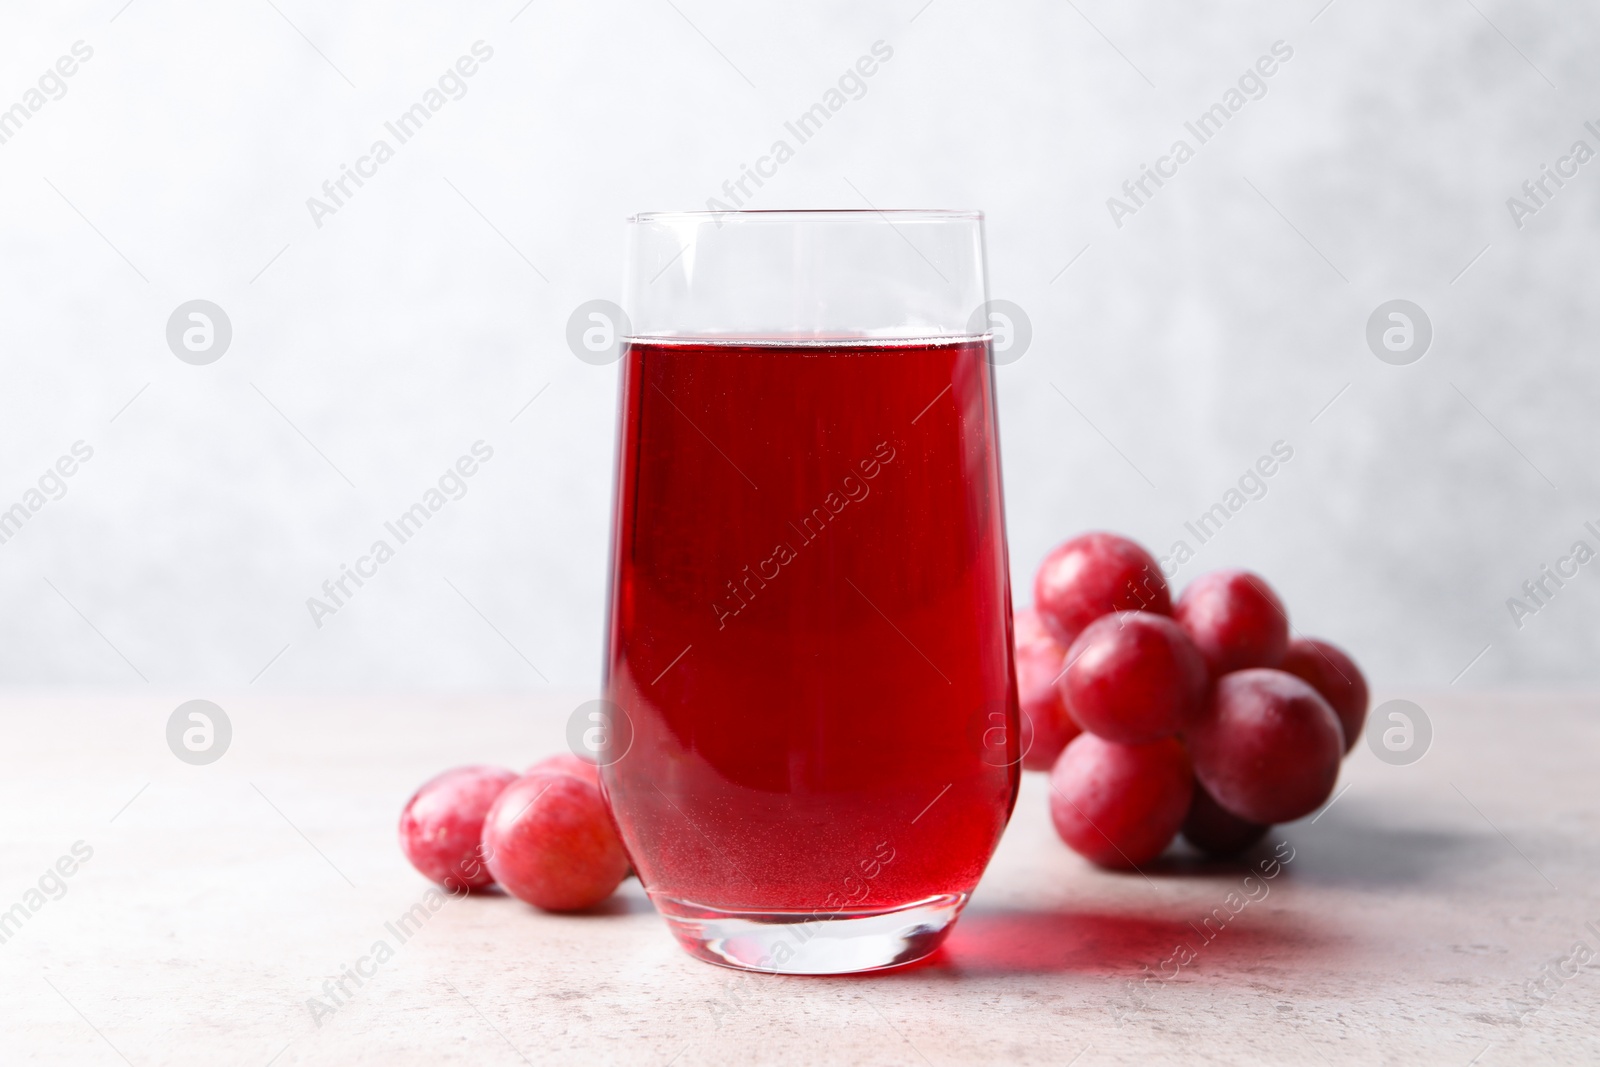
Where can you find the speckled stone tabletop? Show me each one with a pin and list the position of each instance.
(1442, 912)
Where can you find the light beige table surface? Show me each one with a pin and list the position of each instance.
(1410, 926)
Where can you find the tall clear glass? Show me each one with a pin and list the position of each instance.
(809, 660)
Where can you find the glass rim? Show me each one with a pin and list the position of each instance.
(811, 214)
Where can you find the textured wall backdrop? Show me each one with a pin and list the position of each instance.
(1176, 338)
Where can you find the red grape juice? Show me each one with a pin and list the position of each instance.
(810, 625)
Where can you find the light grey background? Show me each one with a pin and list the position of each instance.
(1166, 358)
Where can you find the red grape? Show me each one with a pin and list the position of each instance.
(1267, 747)
(568, 763)
(1134, 677)
(1335, 675)
(1119, 805)
(551, 842)
(442, 825)
(1235, 619)
(1092, 575)
(1214, 830)
(1046, 726)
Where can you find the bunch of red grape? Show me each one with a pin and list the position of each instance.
(1151, 717)
(1154, 717)
(545, 836)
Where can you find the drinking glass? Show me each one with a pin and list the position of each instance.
(814, 740)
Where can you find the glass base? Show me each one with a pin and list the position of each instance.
(799, 943)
